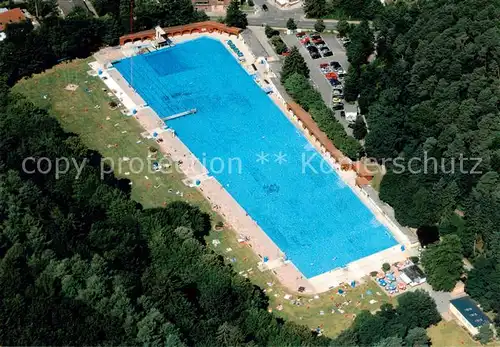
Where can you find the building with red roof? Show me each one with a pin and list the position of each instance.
(12, 16)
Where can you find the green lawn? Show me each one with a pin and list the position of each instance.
(115, 135)
(451, 334)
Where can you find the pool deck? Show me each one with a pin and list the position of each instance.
(222, 202)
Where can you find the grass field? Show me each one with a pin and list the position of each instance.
(86, 112)
(451, 334)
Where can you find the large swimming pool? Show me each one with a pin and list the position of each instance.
(284, 184)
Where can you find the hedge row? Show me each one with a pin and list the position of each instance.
(310, 99)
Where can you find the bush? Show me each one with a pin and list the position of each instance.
(291, 25)
(279, 46)
(319, 26)
(485, 334)
(270, 32)
(386, 266)
(359, 130)
(310, 99)
(415, 260)
(250, 3)
(374, 273)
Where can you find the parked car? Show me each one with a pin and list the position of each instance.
(311, 48)
(342, 114)
(319, 42)
(336, 65)
(305, 40)
(324, 68)
(315, 55)
(264, 7)
(338, 93)
(327, 53)
(322, 46)
(335, 83)
(338, 106)
(301, 34)
(337, 100)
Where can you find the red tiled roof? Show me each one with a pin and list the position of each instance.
(362, 170)
(361, 181)
(12, 16)
(311, 125)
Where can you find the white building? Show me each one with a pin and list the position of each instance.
(468, 314)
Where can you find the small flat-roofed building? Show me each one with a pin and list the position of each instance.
(412, 275)
(468, 314)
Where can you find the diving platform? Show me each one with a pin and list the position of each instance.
(179, 115)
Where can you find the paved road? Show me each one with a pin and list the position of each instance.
(279, 22)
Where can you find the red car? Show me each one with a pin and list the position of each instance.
(301, 34)
(305, 40)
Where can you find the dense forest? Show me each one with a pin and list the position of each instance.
(431, 97)
(82, 264)
(343, 9)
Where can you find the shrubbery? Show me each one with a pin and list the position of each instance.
(310, 99)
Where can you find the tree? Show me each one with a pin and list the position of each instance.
(343, 27)
(294, 62)
(359, 130)
(417, 337)
(392, 341)
(290, 24)
(270, 32)
(361, 46)
(228, 335)
(443, 263)
(251, 3)
(485, 334)
(483, 283)
(78, 13)
(279, 46)
(417, 309)
(319, 26)
(42, 9)
(314, 8)
(234, 16)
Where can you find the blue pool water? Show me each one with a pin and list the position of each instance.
(298, 201)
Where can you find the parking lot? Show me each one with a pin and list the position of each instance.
(318, 77)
